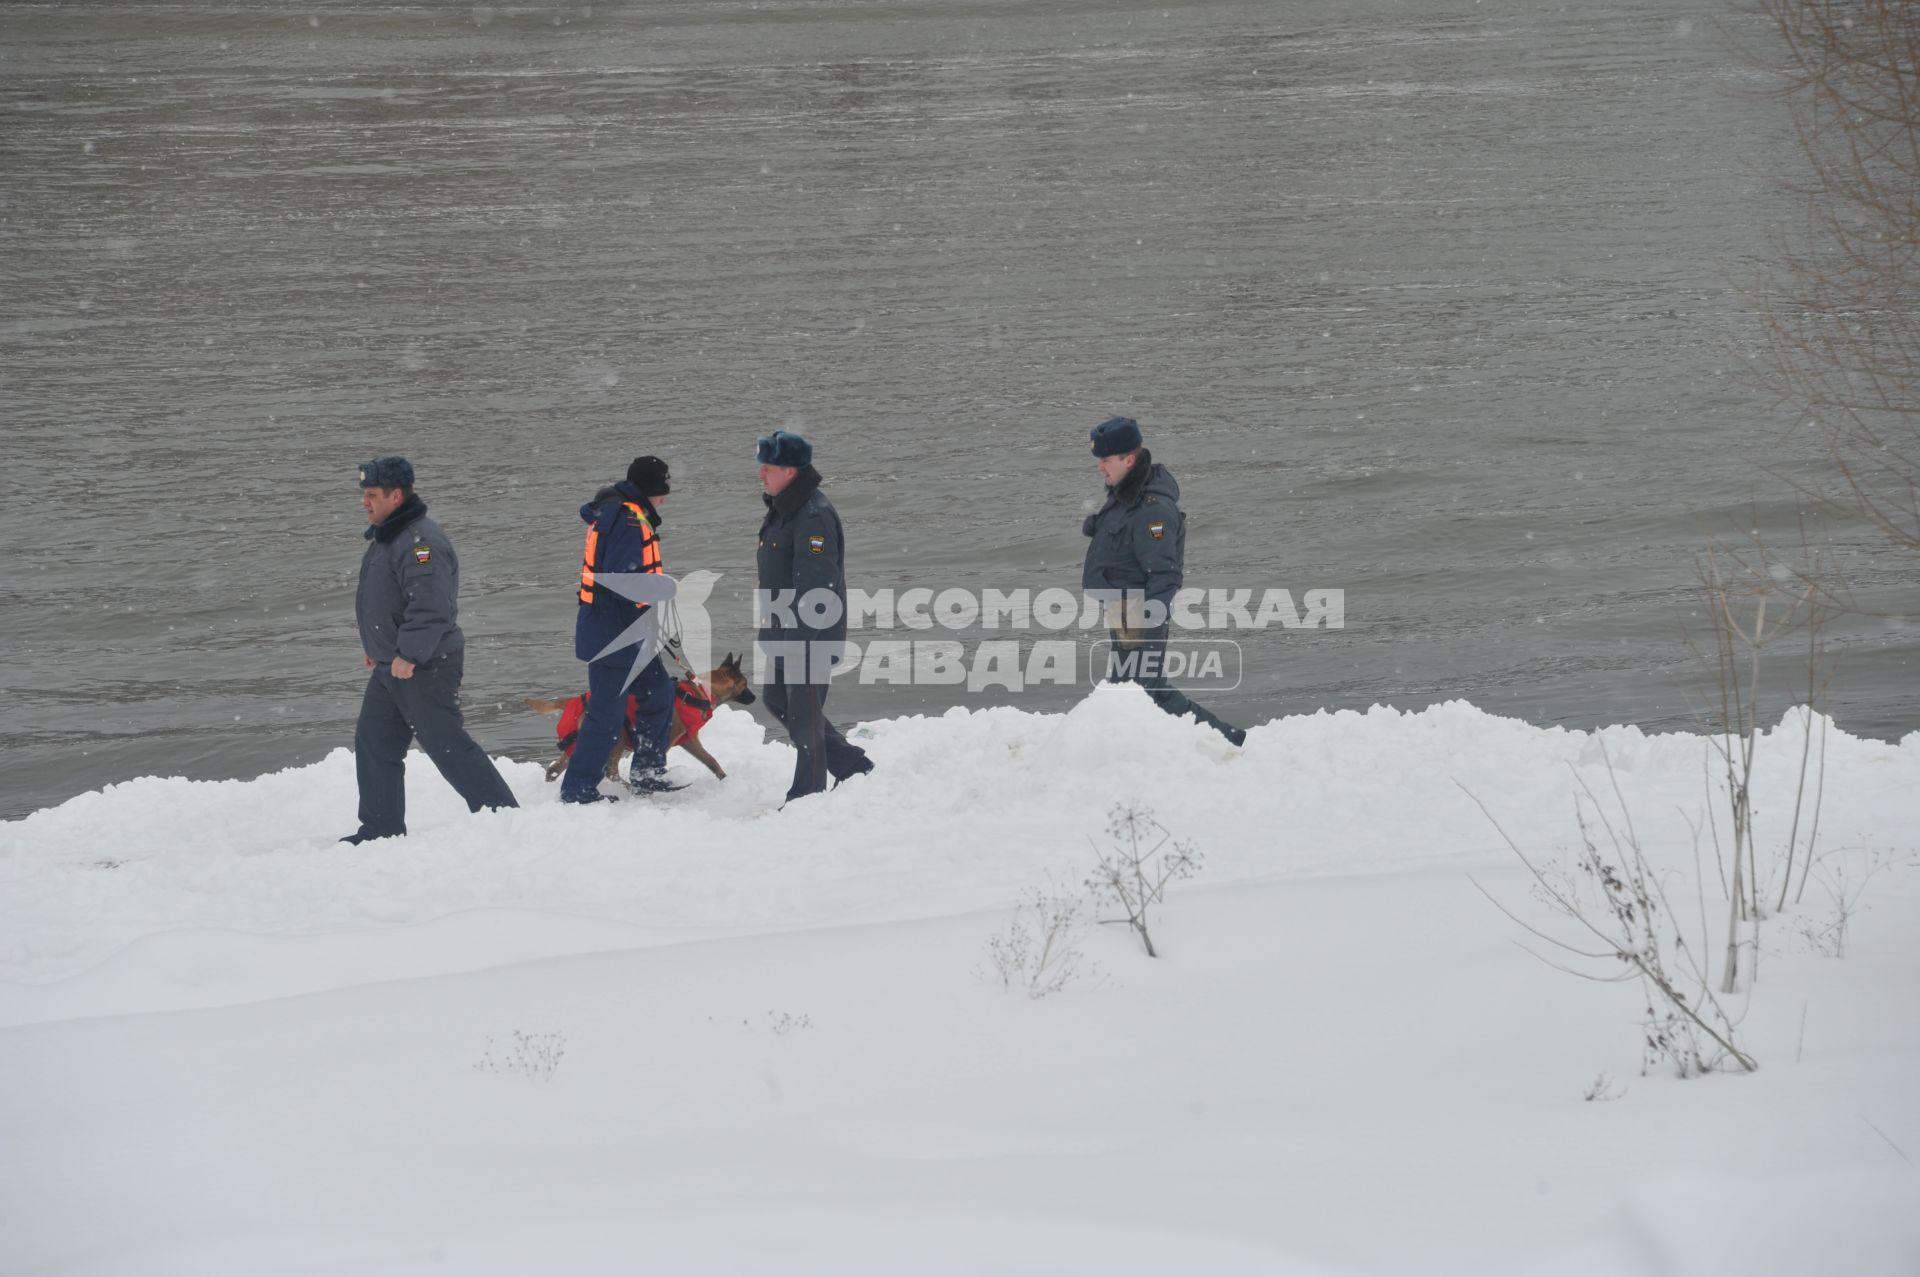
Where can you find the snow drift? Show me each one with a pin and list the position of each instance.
(238, 1046)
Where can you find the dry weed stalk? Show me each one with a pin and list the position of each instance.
(1039, 950)
(534, 1056)
(1753, 601)
(1141, 858)
(1828, 935)
(1625, 912)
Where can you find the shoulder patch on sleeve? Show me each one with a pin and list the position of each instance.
(1157, 529)
(422, 553)
(817, 542)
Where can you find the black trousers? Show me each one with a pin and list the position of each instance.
(1150, 646)
(819, 748)
(396, 711)
(606, 712)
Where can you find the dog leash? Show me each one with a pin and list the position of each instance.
(670, 641)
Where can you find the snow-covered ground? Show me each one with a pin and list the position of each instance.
(700, 1035)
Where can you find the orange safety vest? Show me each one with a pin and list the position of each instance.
(650, 559)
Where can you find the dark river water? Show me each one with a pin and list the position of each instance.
(1446, 304)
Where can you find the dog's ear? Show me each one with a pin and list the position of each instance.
(731, 663)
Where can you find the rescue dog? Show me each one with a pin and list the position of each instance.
(693, 706)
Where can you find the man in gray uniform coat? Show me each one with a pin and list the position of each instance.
(801, 556)
(1138, 542)
(407, 606)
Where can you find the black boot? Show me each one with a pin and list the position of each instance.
(864, 766)
(1236, 736)
(591, 796)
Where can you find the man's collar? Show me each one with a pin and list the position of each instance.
(627, 493)
(389, 528)
(1133, 480)
(790, 498)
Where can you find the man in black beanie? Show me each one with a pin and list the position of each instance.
(1138, 545)
(802, 556)
(623, 535)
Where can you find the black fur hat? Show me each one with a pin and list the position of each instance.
(1115, 436)
(387, 472)
(783, 448)
(649, 476)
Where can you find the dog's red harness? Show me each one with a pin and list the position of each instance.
(693, 705)
(568, 728)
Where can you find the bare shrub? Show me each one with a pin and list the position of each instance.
(1038, 951)
(1133, 870)
(1602, 1089)
(1844, 886)
(1617, 899)
(1845, 333)
(534, 1056)
(1754, 600)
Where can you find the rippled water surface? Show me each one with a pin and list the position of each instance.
(1447, 304)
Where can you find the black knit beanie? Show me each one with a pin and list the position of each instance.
(648, 475)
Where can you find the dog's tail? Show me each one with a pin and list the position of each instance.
(543, 705)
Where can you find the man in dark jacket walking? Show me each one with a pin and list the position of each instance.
(623, 536)
(803, 591)
(408, 606)
(1138, 545)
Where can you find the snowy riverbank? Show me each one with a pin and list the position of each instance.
(238, 1047)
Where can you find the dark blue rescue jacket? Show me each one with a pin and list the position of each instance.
(621, 537)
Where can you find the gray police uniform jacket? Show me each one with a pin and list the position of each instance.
(802, 549)
(409, 598)
(1138, 539)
